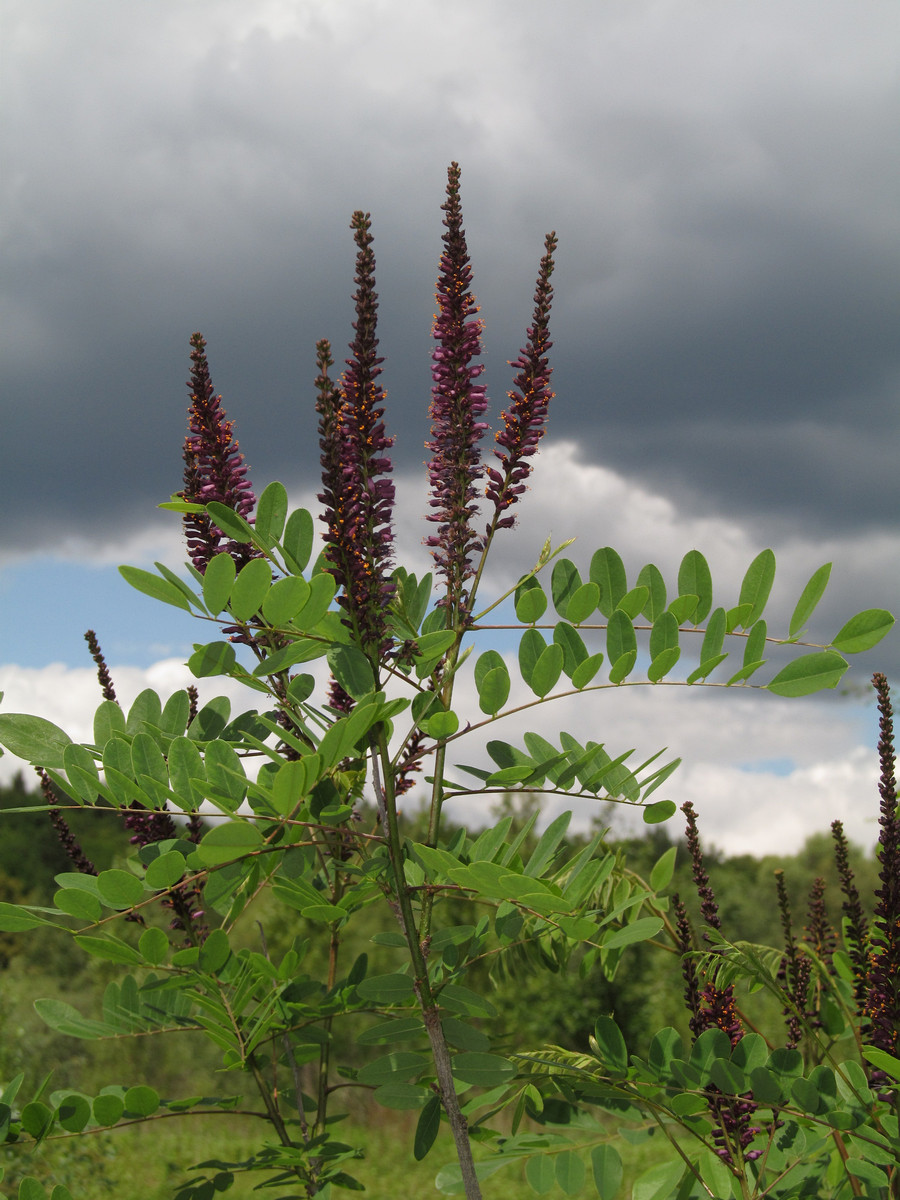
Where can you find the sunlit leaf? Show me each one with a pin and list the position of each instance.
(583, 602)
(809, 598)
(547, 670)
(585, 671)
(863, 631)
(35, 739)
(531, 603)
(808, 674)
(152, 585)
(284, 599)
(573, 647)
(564, 582)
(218, 580)
(299, 534)
(271, 510)
(756, 586)
(250, 589)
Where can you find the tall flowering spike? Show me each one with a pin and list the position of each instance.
(883, 992)
(103, 675)
(856, 926)
(457, 403)
(793, 970)
(708, 905)
(525, 420)
(214, 467)
(359, 499)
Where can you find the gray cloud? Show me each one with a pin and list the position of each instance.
(727, 305)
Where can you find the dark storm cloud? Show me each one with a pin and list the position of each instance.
(721, 180)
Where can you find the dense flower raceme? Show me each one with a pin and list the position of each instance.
(525, 420)
(358, 496)
(856, 928)
(457, 404)
(883, 993)
(214, 467)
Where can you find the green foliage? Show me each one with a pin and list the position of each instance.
(307, 843)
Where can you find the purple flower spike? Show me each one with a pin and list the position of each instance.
(359, 500)
(883, 997)
(214, 468)
(525, 421)
(457, 403)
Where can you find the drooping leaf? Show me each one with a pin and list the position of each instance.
(68, 1020)
(706, 668)
(14, 919)
(35, 739)
(756, 586)
(863, 631)
(809, 598)
(231, 523)
(112, 949)
(386, 989)
(810, 673)
(694, 579)
(661, 810)
(427, 1128)
(608, 572)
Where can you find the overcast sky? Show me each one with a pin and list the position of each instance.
(724, 181)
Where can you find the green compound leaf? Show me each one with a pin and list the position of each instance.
(809, 598)
(863, 631)
(74, 1112)
(608, 572)
(164, 871)
(271, 510)
(108, 721)
(285, 598)
(108, 1109)
(655, 814)
(218, 581)
(297, 543)
(663, 635)
(622, 667)
(757, 585)
(683, 608)
(810, 673)
(663, 664)
(531, 603)
(250, 589)
(651, 578)
(38, 741)
(110, 948)
(756, 644)
(155, 587)
(694, 579)
(564, 583)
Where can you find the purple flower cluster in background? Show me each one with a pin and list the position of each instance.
(214, 468)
